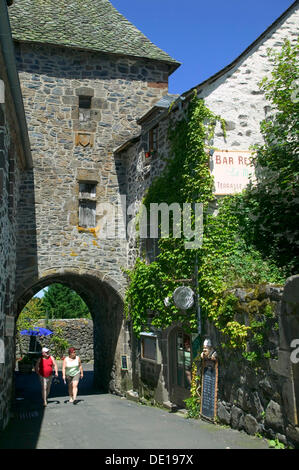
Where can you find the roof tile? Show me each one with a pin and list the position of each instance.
(85, 24)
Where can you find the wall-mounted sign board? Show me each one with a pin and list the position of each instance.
(231, 170)
(209, 389)
(124, 362)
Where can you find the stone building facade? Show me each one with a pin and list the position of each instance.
(83, 89)
(15, 158)
(234, 94)
(91, 102)
(263, 399)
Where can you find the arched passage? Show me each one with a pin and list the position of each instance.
(105, 304)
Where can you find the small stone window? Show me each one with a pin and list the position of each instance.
(87, 190)
(152, 142)
(84, 108)
(87, 205)
(150, 246)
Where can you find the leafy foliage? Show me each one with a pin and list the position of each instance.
(272, 204)
(60, 301)
(193, 402)
(58, 343)
(31, 313)
(228, 256)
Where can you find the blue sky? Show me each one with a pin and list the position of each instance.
(41, 293)
(204, 36)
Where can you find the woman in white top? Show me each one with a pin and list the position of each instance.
(72, 370)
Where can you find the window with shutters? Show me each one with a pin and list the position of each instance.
(87, 205)
(153, 139)
(84, 108)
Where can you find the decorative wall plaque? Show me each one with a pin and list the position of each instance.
(84, 139)
(183, 297)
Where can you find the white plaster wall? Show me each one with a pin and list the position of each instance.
(236, 95)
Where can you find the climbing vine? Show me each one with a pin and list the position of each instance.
(225, 259)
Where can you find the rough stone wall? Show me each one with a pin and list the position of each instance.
(141, 172)
(77, 331)
(10, 169)
(121, 89)
(257, 397)
(251, 402)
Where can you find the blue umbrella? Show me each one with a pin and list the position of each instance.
(37, 332)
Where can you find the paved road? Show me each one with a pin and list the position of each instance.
(103, 421)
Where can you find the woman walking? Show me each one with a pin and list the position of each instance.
(44, 369)
(72, 370)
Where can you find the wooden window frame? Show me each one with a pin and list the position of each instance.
(184, 367)
(148, 336)
(84, 108)
(87, 199)
(152, 142)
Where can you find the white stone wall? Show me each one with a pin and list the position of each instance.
(236, 95)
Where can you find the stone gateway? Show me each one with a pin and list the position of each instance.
(83, 90)
(83, 126)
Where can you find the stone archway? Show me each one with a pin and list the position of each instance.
(104, 299)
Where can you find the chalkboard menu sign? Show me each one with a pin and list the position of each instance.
(124, 362)
(209, 389)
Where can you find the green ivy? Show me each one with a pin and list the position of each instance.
(225, 259)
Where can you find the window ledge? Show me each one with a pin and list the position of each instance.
(92, 230)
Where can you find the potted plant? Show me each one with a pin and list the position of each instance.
(25, 365)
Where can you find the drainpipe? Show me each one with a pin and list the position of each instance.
(8, 52)
(197, 298)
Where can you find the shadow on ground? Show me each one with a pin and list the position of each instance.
(23, 429)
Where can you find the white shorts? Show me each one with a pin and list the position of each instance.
(46, 381)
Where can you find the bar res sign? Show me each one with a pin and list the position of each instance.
(231, 170)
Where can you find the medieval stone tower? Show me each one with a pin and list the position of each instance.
(86, 75)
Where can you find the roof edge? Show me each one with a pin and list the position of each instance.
(232, 64)
(173, 65)
(8, 53)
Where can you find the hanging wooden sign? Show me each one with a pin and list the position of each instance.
(209, 389)
(232, 170)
